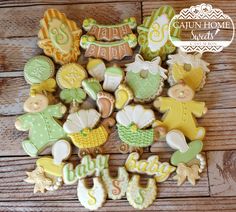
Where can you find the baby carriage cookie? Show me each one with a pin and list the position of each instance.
(80, 127)
(189, 68)
(180, 111)
(39, 120)
(145, 78)
(132, 124)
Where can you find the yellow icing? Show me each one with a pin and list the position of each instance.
(121, 99)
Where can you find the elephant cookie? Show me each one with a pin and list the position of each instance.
(96, 68)
(189, 68)
(145, 78)
(116, 187)
(180, 111)
(39, 120)
(138, 196)
(59, 37)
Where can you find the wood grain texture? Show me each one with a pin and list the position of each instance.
(222, 172)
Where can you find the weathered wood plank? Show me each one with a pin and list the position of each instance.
(12, 173)
(222, 172)
(27, 21)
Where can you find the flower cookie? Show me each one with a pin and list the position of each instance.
(132, 124)
(154, 34)
(123, 96)
(59, 37)
(113, 77)
(105, 102)
(141, 197)
(145, 78)
(39, 120)
(92, 87)
(80, 127)
(189, 68)
(109, 32)
(115, 50)
(96, 68)
(180, 111)
(116, 187)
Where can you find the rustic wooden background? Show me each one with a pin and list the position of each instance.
(215, 191)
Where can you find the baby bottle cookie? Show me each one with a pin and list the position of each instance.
(180, 111)
(96, 68)
(145, 78)
(189, 68)
(59, 37)
(39, 120)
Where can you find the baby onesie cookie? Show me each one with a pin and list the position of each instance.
(113, 77)
(96, 68)
(189, 68)
(180, 111)
(138, 196)
(123, 96)
(152, 166)
(154, 34)
(59, 37)
(39, 120)
(115, 50)
(145, 78)
(91, 198)
(92, 87)
(109, 32)
(105, 103)
(116, 187)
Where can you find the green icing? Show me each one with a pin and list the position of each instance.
(143, 88)
(114, 71)
(92, 87)
(74, 94)
(38, 69)
(194, 148)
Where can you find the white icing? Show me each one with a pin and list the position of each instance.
(60, 151)
(111, 82)
(98, 71)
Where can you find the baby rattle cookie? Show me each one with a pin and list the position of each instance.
(138, 196)
(132, 124)
(116, 187)
(123, 96)
(105, 102)
(109, 32)
(91, 198)
(189, 68)
(92, 87)
(180, 111)
(145, 78)
(39, 120)
(154, 34)
(59, 37)
(96, 68)
(115, 50)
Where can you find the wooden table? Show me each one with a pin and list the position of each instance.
(215, 191)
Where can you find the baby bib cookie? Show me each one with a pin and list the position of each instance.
(92, 87)
(145, 78)
(180, 111)
(38, 69)
(154, 34)
(59, 37)
(116, 187)
(189, 68)
(105, 102)
(91, 198)
(123, 96)
(96, 68)
(43, 129)
(141, 197)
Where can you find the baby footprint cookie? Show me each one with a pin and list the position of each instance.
(123, 96)
(105, 103)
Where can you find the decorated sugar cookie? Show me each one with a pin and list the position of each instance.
(86, 168)
(145, 78)
(132, 124)
(138, 196)
(109, 32)
(91, 198)
(96, 68)
(180, 111)
(154, 34)
(151, 166)
(92, 87)
(105, 102)
(80, 127)
(189, 68)
(39, 120)
(116, 187)
(123, 96)
(59, 37)
(113, 77)
(115, 50)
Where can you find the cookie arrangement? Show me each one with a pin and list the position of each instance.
(75, 106)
